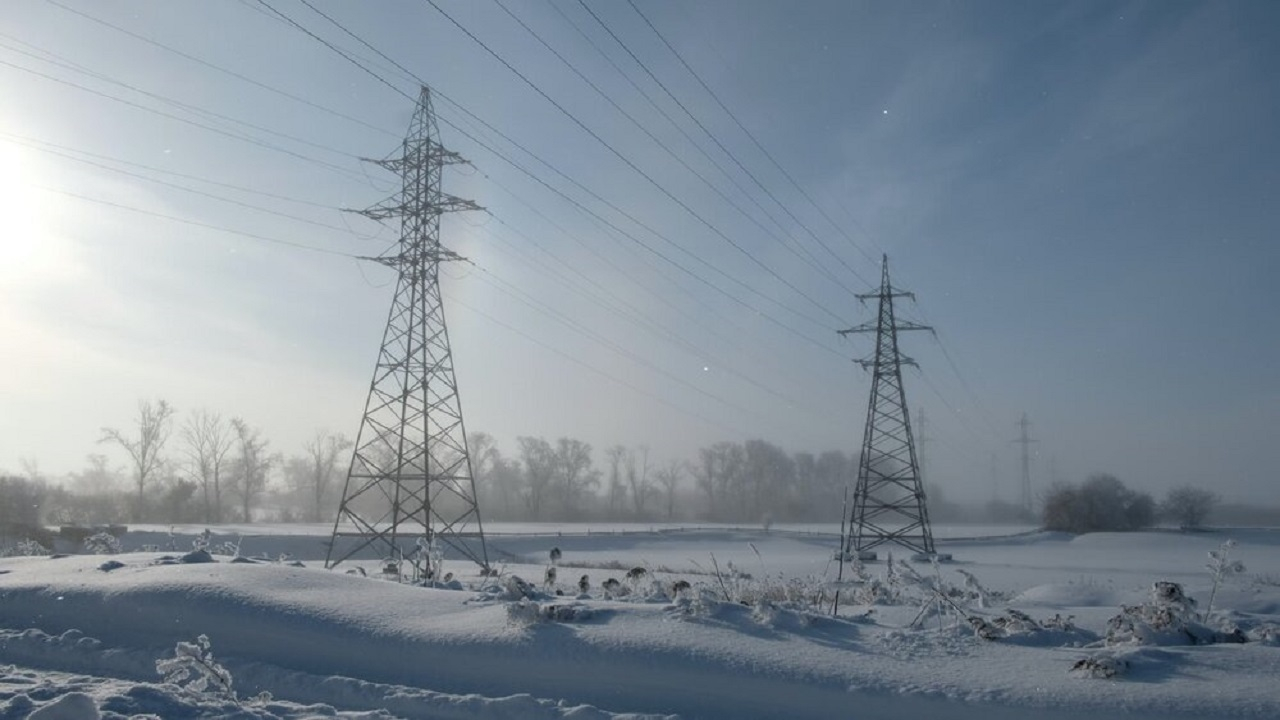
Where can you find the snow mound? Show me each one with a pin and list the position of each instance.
(1068, 595)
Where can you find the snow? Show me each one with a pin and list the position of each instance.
(84, 632)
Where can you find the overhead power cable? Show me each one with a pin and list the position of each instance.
(753, 138)
(591, 368)
(62, 62)
(802, 256)
(611, 301)
(194, 191)
(45, 146)
(196, 223)
(226, 133)
(729, 153)
(533, 176)
(637, 169)
(219, 68)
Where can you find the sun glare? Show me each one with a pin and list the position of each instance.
(27, 252)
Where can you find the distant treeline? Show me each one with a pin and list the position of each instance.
(203, 468)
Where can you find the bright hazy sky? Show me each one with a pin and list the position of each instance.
(1082, 195)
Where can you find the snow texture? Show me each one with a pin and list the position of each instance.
(1022, 631)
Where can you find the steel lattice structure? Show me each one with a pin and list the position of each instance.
(889, 500)
(410, 484)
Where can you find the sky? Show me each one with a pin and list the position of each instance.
(1081, 196)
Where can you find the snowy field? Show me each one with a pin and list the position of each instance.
(751, 637)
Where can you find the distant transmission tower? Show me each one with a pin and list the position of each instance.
(410, 485)
(1025, 441)
(889, 501)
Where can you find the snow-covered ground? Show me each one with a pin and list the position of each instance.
(83, 632)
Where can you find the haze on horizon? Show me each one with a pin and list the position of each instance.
(1081, 195)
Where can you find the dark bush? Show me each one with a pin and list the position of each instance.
(1101, 503)
(1188, 506)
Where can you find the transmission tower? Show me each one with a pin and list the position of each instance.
(1025, 441)
(889, 502)
(410, 486)
(923, 440)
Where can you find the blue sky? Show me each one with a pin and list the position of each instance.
(1081, 195)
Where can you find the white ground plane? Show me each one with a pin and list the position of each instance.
(751, 637)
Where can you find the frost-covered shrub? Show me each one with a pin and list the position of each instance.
(518, 587)
(1267, 634)
(1221, 566)
(227, 547)
(1169, 618)
(102, 543)
(1018, 628)
(196, 557)
(613, 589)
(974, 590)
(25, 548)
(1101, 666)
(193, 668)
(524, 613)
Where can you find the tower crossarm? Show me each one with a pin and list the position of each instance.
(890, 294)
(397, 207)
(409, 157)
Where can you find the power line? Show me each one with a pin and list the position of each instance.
(187, 121)
(225, 71)
(194, 191)
(64, 63)
(667, 116)
(750, 135)
(591, 368)
(685, 206)
(45, 146)
(625, 310)
(808, 259)
(580, 206)
(196, 223)
(719, 144)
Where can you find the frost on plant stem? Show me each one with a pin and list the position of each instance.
(193, 668)
(1221, 566)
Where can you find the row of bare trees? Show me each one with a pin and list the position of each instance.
(740, 482)
(201, 468)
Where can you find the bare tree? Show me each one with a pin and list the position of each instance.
(146, 450)
(539, 472)
(323, 451)
(1188, 506)
(719, 468)
(669, 478)
(574, 472)
(251, 466)
(638, 479)
(208, 440)
(485, 457)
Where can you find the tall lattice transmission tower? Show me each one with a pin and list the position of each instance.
(889, 500)
(410, 489)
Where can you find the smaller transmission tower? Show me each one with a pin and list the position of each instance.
(410, 490)
(889, 501)
(1025, 441)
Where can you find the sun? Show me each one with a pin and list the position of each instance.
(27, 252)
